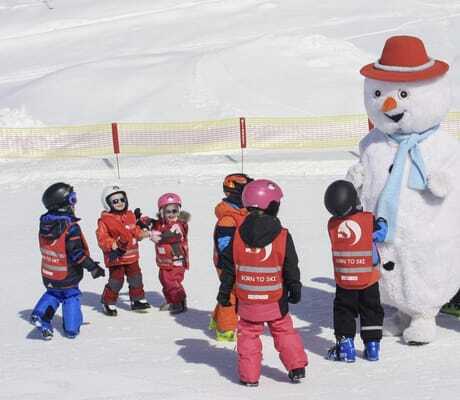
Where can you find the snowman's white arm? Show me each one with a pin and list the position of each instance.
(355, 175)
(443, 173)
(439, 183)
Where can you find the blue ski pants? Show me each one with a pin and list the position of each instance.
(71, 308)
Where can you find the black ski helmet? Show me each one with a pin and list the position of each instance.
(58, 197)
(341, 198)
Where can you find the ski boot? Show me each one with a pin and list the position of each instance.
(371, 352)
(165, 307)
(178, 307)
(451, 308)
(226, 336)
(71, 335)
(110, 310)
(212, 324)
(140, 305)
(344, 350)
(295, 375)
(249, 384)
(44, 327)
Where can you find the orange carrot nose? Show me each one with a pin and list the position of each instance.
(389, 104)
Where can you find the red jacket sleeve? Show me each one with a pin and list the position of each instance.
(138, 232)
(104, 240)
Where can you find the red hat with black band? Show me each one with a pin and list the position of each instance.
(404, 59)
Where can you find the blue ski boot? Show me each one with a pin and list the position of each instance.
(344, 350)
(372, 350)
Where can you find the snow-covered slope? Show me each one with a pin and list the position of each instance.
(156, 356)
(84, 61)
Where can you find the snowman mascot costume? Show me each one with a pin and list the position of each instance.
(408, 174)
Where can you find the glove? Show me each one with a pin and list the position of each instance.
(381, 230)
(389, 266)
(185, 216)
(115, 254)
(224, 299)
(294, 293)
(155, 236)
(122, 245)
(141, 222)
(439, 183)
(97, 271)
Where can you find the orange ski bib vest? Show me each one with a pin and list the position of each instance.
(55, 265)
(351, 241)
(259, 272)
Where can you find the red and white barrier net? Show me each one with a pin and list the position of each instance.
(336, 132)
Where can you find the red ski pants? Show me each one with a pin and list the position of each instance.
(116, 277)
(171, 279)
(286, 339)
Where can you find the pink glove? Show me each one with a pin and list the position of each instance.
(155, 236)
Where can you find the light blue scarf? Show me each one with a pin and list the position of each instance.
(388, 203)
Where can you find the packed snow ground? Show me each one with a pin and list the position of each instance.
(85, 61)
(156, 356)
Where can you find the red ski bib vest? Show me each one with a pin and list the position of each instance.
(54, 256)
(259, 272)
(172, 250)
(351, 240)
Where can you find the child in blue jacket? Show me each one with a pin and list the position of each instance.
(65, 254)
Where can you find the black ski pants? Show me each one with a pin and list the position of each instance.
(365, 303)
(456, 298)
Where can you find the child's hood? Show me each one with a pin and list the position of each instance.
(53, 224)
(259, 230)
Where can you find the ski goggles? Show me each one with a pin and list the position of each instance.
(72, 199)
(119, 200)
(171, 211)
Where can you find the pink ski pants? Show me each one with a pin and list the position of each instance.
(171, 279)
(286, 339)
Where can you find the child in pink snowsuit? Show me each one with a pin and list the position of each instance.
(169, 233)
(262, 264)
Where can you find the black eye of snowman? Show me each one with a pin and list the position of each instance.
(377, 93)
(403, 94)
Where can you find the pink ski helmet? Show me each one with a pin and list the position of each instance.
(260, 193)
(169, 198)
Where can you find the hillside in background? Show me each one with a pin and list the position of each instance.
(85, 61)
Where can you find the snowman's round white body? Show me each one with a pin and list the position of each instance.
(425, 244)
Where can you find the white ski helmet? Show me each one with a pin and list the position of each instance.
(109, 191)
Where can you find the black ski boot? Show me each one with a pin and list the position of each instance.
(110, 310)
(178, 307)
(140, 305)
(295, 375)
(43, 325)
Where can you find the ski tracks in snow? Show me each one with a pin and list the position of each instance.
(61, 25)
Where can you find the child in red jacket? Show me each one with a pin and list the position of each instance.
(118, 235)
(169, 233)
